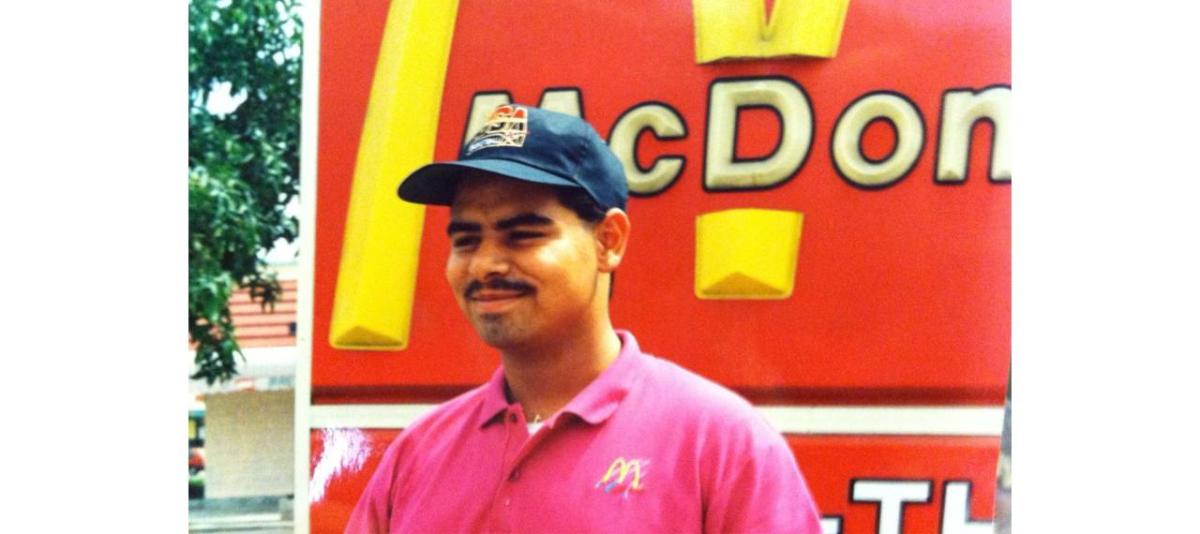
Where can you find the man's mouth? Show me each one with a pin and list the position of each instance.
(495, 301)
(496, 296)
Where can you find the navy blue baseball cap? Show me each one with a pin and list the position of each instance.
(530, 144)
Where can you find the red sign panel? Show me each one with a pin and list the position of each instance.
(901, 290)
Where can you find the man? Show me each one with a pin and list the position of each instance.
(578, 430)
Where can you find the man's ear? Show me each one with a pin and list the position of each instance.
(612, 235)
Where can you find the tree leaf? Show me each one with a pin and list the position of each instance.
(243, 167)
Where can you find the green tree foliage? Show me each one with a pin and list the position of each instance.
(243, 166)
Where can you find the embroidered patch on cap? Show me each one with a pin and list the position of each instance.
(506, 126)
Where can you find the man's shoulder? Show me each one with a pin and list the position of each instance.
(455, 411)
(444, 421)
(687, 395)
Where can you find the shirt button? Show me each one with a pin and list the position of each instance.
(512, 417)
(512, 477)
(507, 501)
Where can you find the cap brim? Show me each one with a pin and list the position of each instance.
(435, 183)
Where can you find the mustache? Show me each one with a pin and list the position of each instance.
(498, 284)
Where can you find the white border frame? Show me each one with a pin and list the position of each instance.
(310, 80)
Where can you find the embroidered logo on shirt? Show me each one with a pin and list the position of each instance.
(506, 126)
(624, 475)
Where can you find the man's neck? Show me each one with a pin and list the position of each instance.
(544, 379)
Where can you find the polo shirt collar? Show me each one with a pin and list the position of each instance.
(595, 403)
(493, 399)
(600, 399)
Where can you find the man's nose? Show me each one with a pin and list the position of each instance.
(489, 260)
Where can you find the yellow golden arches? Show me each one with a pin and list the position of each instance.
(729, 29)
(378, 271)
(747, 253)
(621, 468)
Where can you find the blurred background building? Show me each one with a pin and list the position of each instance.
(241, 432)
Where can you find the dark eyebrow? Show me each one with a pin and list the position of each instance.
(524, 219)
(462, 227)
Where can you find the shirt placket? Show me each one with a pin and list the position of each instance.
(515, 437)
(518, 446)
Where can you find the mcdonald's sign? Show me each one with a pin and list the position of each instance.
(821, 222)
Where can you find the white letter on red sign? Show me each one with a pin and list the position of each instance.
(665, 123)
(563, 100)
(891, 496)
(853, 165)
(961, 110)
(956, 501)
(722, 171)
(831, 525)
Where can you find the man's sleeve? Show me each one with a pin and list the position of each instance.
(766, 494)
(374, 509)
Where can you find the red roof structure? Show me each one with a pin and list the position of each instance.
(257, 326)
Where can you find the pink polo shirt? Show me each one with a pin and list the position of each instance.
(646, 447)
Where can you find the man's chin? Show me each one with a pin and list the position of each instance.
(497, 334)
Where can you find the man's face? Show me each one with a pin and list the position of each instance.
(522, 266)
